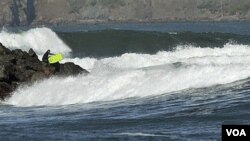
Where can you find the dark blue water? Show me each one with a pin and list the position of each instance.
(199, 27)
(191, 114)
(195, 114)
(224, 27)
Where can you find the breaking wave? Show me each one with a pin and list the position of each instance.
(140, 75)
(39, 39)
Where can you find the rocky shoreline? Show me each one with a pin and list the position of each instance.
(18, 67)
(63, 12)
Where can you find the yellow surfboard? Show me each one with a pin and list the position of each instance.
(55, 58)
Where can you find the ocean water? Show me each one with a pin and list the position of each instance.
(176, 81)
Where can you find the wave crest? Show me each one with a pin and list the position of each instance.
(140, 75)
(39, 39)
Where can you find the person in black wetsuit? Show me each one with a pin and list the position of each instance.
(46, 56)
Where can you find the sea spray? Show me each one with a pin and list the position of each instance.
(39, 39)
(128, 75)
(183, 69)
(229, 54)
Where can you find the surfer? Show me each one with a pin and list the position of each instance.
(46, 60)
(46, 56)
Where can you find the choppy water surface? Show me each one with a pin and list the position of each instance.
(144, 84)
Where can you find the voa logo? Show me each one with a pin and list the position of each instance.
(236, 132)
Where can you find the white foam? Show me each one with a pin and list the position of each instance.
(86, 63)
(39, 39)
(188, 54)
(140, 75)
(141, 134)
(229, 54)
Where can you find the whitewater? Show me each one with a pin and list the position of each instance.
(128, 75)
(168, 81)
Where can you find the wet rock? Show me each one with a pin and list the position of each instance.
(70, 68)
(18, 67)
(47, 69)
(18, 53)
(32, 53)
(3, 50)
(5, 90)
(37, 76)
(7, 58)
(23, 76)
(6, 71)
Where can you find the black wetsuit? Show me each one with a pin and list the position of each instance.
(46, 56)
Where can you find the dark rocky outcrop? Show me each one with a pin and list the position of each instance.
(18, 67)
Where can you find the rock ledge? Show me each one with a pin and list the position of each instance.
(19, 67)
